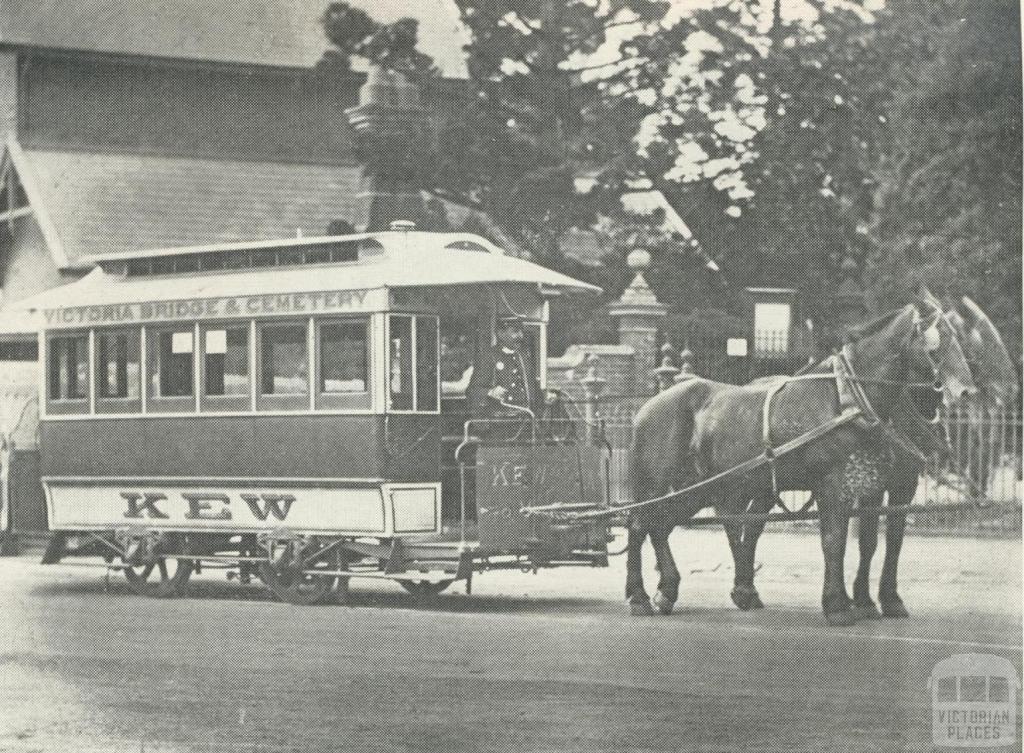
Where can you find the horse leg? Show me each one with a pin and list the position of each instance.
(734, 533)
(835, 524)
(636, 597)
(668, 584)
(744, 593)
(867, 538)
(895, 526)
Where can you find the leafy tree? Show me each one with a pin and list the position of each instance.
(948, 199)
(352, 32)
(538, 115)
(759, 131)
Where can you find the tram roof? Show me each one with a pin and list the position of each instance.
(398, 259)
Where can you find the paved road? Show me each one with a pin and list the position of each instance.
(546, 662)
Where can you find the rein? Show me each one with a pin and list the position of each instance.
(854, 406)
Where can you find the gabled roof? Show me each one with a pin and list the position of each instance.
(262, 32)
(269, 32)
(90, 203)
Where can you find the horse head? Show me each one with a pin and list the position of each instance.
(911, 346)
(942, 344)
(991, 366)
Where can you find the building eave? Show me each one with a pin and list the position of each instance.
(47, 228)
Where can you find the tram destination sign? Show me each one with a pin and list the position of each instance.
(225, 307)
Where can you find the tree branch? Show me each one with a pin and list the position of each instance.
(603, 65)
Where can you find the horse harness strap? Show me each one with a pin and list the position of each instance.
(745, 467)
(854, 406)
(852, 402)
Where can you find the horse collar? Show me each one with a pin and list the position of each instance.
(851, 392)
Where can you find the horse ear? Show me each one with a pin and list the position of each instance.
(972, 312)
(957, 322)
(927, 303)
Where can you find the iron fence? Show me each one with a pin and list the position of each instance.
(983, 470)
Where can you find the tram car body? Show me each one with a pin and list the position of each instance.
(296, 411)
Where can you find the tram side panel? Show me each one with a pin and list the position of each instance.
(346, 475)
(512, 478)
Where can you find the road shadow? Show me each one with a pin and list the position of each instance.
(381, 597)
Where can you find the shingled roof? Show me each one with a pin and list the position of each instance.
(108, 203)
(265, 32)
(271, 32)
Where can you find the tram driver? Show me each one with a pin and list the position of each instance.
(504, 380)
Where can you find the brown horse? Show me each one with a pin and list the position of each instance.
(911, 417)
(701, 428)
(996, 381)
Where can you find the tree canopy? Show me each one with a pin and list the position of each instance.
(791, 139)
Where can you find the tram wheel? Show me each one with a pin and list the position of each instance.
(423, 589)
(300, 588)
(162, 579)
(303, 589)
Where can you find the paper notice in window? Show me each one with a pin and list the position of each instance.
(181, 342)
(217, 341)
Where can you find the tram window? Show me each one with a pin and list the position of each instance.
(426, 363)
(400, 363)
(458, 349)
(284, 360)
(68, 368)
(118, 368)
(287, 257)
(163, 265)
(264, 257)
(211, 262)
(226, 361)
(413, 389)
(343, 362)
(317, 255)
(185, 264)
(237, 260)
(138, 267)
(345, 251)
(171, 364)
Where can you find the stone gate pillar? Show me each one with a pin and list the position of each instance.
(390, 127)
(639, 315)
(851, 308)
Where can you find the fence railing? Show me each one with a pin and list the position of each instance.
(983, 470)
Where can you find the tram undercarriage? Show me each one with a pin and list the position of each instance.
(495, 479)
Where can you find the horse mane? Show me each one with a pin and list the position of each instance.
(874, 326)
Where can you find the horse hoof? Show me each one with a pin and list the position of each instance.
(746, 599)
(641, 608)
(894, 609)
(840, 619)
(662, 603)
(866, 612)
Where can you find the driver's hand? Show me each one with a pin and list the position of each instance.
(498, 393)
(550, 397)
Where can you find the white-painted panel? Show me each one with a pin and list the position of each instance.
(215, 507)
(415, 510)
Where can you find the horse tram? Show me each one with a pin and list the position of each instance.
(296, 412)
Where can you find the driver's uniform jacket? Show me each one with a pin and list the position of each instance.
(507, 368)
